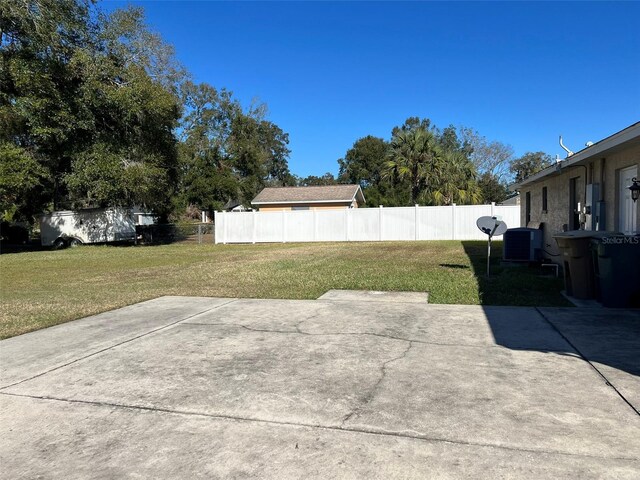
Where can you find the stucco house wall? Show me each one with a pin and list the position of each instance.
(603, 170)
(557, 213)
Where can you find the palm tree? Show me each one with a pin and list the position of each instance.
(415, 156)
(458, 183)
(436, 176)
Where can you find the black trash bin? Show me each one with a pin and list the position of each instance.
(578, 265)
(618, 270)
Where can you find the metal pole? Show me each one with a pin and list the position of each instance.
(488, 257)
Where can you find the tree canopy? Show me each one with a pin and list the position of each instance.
(363, 164)
(89, 105)
(226, 152)
(96, 111)
(419, 164)
(435, 164)
(529, 164)
(415, 156)
(314, 181)
(424, 164)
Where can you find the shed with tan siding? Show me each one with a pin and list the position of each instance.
(309, 198)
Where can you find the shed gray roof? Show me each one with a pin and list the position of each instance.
(322, 194)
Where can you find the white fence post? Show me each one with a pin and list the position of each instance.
(215, 227)
(315, 225)
(254, 226)
(437, 223)
(224, 227)
(493, 207)
(453, 221)
(346, 224)
(284, 226)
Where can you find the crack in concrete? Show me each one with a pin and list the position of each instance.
(297, 325)
(372, 393)
(360, 430)
(584, 357)
(298, 331)
(115, 345)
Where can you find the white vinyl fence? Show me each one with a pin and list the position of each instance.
(455, 222)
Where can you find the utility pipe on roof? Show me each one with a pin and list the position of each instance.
(569, 152)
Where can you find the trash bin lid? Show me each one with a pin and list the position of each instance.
(577, 243)
(579, 234)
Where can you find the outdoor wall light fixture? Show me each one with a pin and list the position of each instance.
(635, 189)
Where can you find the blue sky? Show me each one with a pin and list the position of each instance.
(521, 73)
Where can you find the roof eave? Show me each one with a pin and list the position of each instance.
(283, 202)
(357, 195)
(617, 139)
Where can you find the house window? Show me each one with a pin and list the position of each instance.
(527, 208)
(544, 199)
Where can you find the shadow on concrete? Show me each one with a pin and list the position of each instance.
(608, 339)
(605, 336)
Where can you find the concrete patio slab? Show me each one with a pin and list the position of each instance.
(222, 388)
(80, 441)
(34, 353)
(228, 371)
(512, 327)
(494, 396)
(595, 332)
(375, 296)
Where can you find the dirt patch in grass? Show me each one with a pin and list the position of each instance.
(45, 288)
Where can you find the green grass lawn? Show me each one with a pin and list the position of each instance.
(45, 288)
